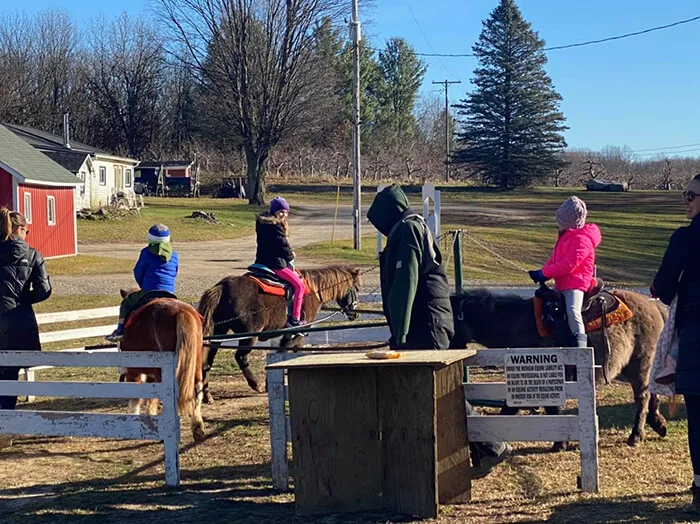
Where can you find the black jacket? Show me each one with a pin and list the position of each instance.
(23, 282)
(273, 248)
(683, 257)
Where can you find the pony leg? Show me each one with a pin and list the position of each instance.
(135, 403)
(196, 421)
(244, 349)
(641, 400)
(210, 355)
(654, 418)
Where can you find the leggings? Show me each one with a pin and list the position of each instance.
(297, 284)
(692, 406)
(8, 373)
(574, 301)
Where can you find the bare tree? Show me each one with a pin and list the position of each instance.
(256, 60)
(124, 81)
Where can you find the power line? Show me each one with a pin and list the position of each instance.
(666, 153)
(426, 39)
(577, 44)
(665, 148)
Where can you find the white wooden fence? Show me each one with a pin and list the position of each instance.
(164, 427)
(582, 428)
(29, 374)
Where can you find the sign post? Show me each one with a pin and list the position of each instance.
(535, 379)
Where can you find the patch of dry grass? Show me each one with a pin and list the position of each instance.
(227, 478)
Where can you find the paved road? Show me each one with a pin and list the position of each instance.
(202, 264)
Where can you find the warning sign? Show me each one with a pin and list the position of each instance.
(535, 379)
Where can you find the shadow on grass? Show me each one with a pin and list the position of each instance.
(619, 509)
(222, 494)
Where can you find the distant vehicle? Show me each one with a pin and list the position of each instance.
(231, 188)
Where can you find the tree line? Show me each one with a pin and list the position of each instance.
(264, 86)
(250, 86)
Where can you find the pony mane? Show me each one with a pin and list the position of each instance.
(332, 282)
(485, 300)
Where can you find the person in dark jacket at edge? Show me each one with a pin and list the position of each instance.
(416, 295)
(23, 282)
(679, 274)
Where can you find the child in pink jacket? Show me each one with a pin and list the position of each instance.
(572, 264)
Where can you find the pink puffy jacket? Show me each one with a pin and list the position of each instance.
(573, 259)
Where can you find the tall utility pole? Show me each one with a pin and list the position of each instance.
(357, 184)
(447, 84)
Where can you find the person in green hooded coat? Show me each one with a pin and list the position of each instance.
(416, 295)
(155, 270)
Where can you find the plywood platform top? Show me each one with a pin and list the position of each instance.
(435, 358)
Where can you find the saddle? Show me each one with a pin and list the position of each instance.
(550, 310)
(271, 284)
(148, 296)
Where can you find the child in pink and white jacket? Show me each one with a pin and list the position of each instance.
(572, 264)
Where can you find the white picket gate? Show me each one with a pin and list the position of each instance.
(582, 427)
(164, 427)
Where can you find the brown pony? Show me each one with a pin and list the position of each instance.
(509, 321)
(237, 304)
(166, 324)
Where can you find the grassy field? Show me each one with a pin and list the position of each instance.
(508, 232)
(84, 265)
(236, 219)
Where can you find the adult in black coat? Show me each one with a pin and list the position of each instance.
(23, 282)
(679, 275)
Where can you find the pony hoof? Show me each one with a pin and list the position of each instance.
(559, 447)
(198, 434)
(207, 398)
(633, 441)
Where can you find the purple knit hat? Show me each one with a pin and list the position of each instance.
(278, 204)
(572, 213)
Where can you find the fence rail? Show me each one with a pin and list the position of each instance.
(164, 427)
(582, 427)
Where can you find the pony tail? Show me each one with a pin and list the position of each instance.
(5, 224)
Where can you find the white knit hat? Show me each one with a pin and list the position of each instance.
(572, 213)
(158, 234)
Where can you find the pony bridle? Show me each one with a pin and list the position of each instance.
(349, 308)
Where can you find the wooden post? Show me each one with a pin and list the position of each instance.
(587, 421)
(278, 423)
(171, 423)
(457, 254)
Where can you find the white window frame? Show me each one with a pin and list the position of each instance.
(51, 210)
(128, 178)
(103, 176)
(27, 206)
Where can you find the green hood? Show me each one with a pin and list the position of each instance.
(387, 209)
(164, 250)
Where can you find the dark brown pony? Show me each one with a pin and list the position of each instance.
(509, 321)
(237, 304)
(166, 324)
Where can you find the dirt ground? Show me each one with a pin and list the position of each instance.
(227, 478)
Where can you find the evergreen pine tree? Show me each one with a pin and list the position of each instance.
(511, 123)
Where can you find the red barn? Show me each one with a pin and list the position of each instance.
(43, 191)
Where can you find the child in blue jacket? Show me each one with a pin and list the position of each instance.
(155, 270)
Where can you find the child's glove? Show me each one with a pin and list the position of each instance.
(537, 276)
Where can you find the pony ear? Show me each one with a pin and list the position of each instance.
(355, 272)
(124, 293)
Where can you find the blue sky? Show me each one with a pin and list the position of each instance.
(642, 91)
